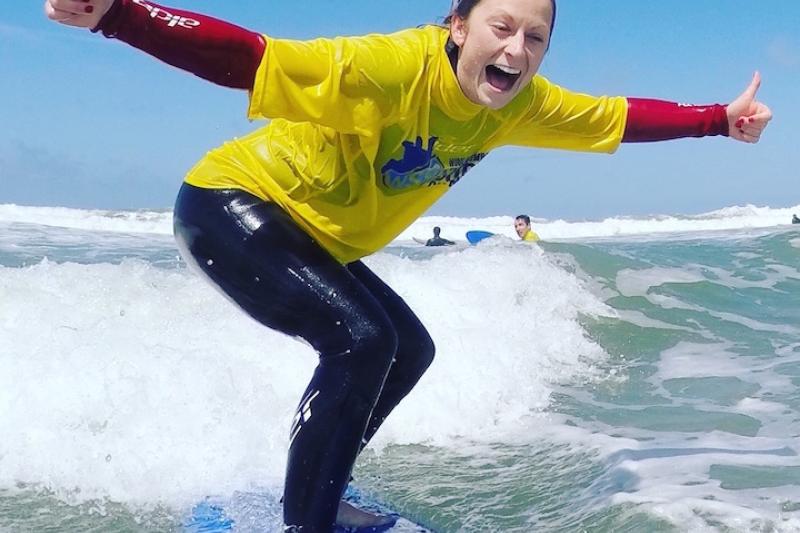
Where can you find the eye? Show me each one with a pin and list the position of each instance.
(500, 27)
(535, 37)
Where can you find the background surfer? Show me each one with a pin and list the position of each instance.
(438, 240)
(522, 225)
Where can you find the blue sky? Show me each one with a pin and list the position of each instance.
(91, 122)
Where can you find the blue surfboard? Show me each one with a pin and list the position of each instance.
(253, 511)
(475, 236)
(207, 517)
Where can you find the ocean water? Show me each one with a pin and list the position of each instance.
(625, 375)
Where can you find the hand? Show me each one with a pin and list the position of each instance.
(748, 117)
(80, 13)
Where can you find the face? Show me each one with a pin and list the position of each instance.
(521, 227)
(501, 45)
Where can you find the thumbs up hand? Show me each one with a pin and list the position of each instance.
(747, 117)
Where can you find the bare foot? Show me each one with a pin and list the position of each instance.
(349, 516)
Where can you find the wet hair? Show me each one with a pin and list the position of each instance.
(525, 218)
(463, 8)
(437, 230)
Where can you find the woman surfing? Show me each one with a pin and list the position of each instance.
(364, 135)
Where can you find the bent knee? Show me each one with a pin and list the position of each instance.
(416, 353)
(377, 348)
(368, 353)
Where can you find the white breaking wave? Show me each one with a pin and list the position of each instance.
(113, 374)
(454, 228)
(135, 221)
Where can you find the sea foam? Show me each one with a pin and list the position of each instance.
(116, 377)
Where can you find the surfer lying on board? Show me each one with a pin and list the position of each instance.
(365, 134)
(522, 224)
(437, 240)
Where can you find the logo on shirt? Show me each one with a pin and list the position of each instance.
(458, 167)
(159, 13)
(420, 167)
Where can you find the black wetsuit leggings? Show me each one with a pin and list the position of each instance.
(372, 347)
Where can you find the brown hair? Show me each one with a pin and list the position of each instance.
(463, 8)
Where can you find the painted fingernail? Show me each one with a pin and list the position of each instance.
(741, 131)
(89, 9)
(751, 119)
(739, 123)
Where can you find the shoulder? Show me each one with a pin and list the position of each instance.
(382, 60)
(409, 41)
(403, 42)
(531, 236)
(429, 36)
(399, 55)
(542, 89)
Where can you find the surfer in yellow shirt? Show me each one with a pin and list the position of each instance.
(364, 135)
(522, 224)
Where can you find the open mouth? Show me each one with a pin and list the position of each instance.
(502, 77)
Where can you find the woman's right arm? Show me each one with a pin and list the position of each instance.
(215, 50)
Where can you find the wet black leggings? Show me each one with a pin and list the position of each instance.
(372, 348)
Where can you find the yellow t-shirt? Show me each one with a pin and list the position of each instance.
(531, 236)
(368, 132)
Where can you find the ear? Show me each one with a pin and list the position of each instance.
(458, 30)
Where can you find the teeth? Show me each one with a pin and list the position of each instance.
(508, 70)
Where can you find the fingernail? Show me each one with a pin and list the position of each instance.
(751, 119)
(739, 123)
(89, 9)
(741, 131)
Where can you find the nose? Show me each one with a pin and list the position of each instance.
(515, 44)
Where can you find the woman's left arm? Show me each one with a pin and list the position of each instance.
(744, 119)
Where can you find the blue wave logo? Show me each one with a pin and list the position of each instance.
(417, 167)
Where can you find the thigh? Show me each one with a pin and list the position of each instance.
(255, 253)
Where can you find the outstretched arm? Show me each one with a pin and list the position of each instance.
(744, 119)
(215, 50)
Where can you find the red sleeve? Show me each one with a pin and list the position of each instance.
(210, 48)
(657, 120)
